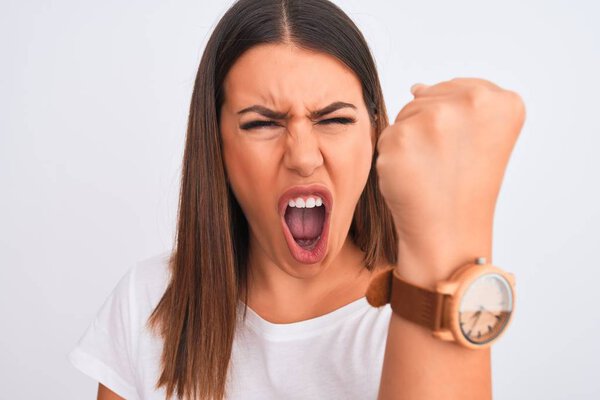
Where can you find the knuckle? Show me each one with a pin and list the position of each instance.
(476, 96)
(436, 117)
(517, 102)
(408, 109)
(517, 107)
(398, 131)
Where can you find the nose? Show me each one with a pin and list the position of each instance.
(303, 152)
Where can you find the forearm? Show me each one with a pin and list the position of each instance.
(416, 365)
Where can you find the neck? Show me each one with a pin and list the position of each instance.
(283, 294)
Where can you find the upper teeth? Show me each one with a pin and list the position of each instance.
(309, 202)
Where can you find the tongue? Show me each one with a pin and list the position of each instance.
(305, 223)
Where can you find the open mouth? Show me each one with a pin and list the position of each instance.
(305, 213)
(305, 224)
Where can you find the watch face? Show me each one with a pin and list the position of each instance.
(485, 308)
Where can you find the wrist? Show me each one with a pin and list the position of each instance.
(426, 261)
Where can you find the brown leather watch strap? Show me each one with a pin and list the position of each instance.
(380, 287)
(411, 302)
(416, 304)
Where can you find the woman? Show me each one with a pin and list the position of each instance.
(283, 224)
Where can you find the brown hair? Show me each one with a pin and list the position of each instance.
(196, 316)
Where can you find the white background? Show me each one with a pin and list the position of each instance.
(94, 98)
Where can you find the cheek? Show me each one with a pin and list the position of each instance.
(249, 172)
(352, 159)
(350, 166)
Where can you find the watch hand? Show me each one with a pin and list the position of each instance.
(476, 319)
(477, 313)
(491, 312)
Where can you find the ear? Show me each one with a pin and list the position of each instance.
(374, 130)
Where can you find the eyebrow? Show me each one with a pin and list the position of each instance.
(272, 114)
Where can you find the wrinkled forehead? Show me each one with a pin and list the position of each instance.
(289, 78)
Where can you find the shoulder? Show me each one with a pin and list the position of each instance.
(110, 349)
(152, 272)
(135, 295)
(149, 278)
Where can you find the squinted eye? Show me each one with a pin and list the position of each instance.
(256, 124)
(343, 121)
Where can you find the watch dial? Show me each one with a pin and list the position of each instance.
(485, 308)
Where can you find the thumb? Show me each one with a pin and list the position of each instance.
(414, 89)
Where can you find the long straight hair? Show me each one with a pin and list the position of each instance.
(197, 315)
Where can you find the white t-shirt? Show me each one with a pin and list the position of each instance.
(335, 356)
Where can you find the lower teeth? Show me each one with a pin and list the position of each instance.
(307, 242)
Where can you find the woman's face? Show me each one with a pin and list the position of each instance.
(265, 155)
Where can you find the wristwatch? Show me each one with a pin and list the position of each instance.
(472, 308)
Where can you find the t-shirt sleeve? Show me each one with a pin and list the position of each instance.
(104, 352)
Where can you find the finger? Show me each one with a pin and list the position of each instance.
(414, 107)
(417, 88)
(438, 89)
(450, 87)
(477, 82)
(411, 108)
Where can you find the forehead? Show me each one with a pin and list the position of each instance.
(283, 76)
